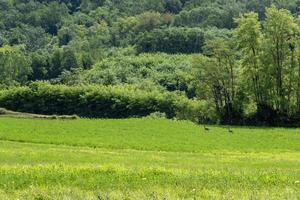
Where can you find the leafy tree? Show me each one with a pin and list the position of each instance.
(280, 29)
(171, 40)
(14, 65)
(41, 65)
(72, 32)
(50, 17)
(123, 31)
(201, 17)
(248, 39)
(109, 15)
(210, 78)
(219, 14)
(69, 59)
(34, 38)
(149, 21)
(218, 72)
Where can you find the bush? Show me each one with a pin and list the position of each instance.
(97, 101)
(3, 111)
(157, 115)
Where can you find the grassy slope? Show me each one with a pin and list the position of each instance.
(143, 158)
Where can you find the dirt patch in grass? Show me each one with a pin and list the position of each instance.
(8, 113)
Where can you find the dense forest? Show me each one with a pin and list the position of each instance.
(213, 61)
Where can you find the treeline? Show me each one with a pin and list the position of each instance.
(57, 36)
(262, 73)
(100, 101)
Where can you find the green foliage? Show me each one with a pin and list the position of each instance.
(266, 65)
(269, 60)
(254, 56)
(34, 38)
(99, 101)
(280, 36)
(172, 40)
(14, 65)
(170, 72)
(49, 17)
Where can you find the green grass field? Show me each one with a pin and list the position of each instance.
(145, 159)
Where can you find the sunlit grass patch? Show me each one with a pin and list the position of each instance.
(145, 159)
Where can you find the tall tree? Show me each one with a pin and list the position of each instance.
(216, 75)
(222, 51)
(280, 31)
(14, 65)
(248, 38)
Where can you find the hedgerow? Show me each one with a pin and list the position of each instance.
(100, 101)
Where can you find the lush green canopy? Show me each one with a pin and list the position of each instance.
(241, 57)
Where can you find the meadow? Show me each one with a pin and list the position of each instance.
(145, 159)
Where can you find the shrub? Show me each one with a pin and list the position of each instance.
(157, 115)
(3, 111)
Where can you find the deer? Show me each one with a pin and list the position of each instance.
(206, 129)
